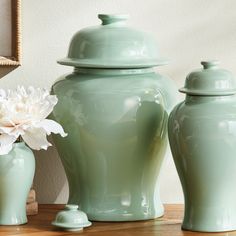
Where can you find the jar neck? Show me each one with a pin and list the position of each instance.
(102, 71)
(19, 144)
(202, 99)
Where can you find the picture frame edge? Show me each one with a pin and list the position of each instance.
(15, 58)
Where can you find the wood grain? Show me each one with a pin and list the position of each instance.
(169, 225)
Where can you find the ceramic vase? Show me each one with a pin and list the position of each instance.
(202, 134)
(114, 107)
(16, 176)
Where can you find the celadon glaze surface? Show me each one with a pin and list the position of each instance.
(71, 219)
(16, 176)
(113, 44)
(116, 120)
(202, 134)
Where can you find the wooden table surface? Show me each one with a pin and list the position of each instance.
(168, 225)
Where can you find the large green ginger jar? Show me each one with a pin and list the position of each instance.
(115, 109)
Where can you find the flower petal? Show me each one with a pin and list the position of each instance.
(2, 94)
(36, 138)
(51, 126)
(49, 102)
(23, 112)
(15, 131)
(6, 142)
(6, 130)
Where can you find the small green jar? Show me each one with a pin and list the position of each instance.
(202, 134)
(16, 177)
(114, 108)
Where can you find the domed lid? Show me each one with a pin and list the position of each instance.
(71, 218)
(112, 45)
(210, 81)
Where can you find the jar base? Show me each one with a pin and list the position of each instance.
(221, 218)
(15, 222)
(196, 228)
(105, 217)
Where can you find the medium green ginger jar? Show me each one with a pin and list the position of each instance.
(202, 133)
(114, 108)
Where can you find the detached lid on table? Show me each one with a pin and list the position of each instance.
(210, 81)
(71, 219)
(112, 45)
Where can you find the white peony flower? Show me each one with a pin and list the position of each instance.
(23, 113)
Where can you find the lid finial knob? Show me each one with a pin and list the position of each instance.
(71, 207)
(210, 64)
(108, 19)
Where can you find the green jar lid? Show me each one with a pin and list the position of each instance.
(210, 81)
(113, 45)
(71, 219)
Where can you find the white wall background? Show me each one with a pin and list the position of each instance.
(187, 31)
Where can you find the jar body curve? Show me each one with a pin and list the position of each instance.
(116, 122)
(202, 134)
(17, 170)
